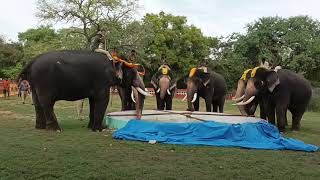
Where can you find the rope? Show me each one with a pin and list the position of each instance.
(187, 114)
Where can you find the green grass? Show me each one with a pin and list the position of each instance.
(78, 153)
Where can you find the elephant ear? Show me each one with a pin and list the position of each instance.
(272, 80)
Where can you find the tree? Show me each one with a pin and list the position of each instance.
(37, 41)
(176, 43)
(10, 57)
(87, 16)
(289, 42)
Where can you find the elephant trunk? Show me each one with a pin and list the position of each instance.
(138, 95)
(191, 95)
(240, 91)
(240, 95)
(250, 93)
(164, 84)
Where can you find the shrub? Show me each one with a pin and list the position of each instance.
(314, 104)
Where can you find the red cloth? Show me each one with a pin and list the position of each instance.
(6, 84)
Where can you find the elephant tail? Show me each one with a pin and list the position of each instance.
(25, 72)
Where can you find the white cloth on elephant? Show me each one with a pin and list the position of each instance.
(204, 68)
(265, 65)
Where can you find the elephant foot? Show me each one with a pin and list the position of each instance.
(90, 125)
(96, 129)
(104, 130)
(40, 126)
(54, 130)
(53, 127)
(282, 130)
(295, 129)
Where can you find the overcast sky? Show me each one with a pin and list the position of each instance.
(214, 17)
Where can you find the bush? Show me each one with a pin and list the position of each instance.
(314, 104)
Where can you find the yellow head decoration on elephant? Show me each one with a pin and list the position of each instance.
(244, 75)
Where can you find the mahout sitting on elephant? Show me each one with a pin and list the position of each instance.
(206, 84)
(286, 90)
(164, 85)
(72, 75)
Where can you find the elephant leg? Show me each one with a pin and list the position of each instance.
(296, 119)
(215, 107)
(196, 104)
(51, 119)
(297, 114)
(263, 111)
(281, 118)
(271, 115)
(160, 103)
(221, 104)
(209, 104)
(286, 120)
(40, 117)
(91, 113)
(122, 97)
(169, 103)
(100, 106)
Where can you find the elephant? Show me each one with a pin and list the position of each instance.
(249, 109)
(164, 85)
(72, 75)
(284, 89)
(128, 93)
(206, 84)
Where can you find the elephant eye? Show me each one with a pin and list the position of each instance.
(258, 83)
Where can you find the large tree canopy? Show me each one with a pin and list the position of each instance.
(292, 43)
(10, 57)
(176, 43)
(87, 16)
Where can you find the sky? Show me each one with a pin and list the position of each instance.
(213, 17)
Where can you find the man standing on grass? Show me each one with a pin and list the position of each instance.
(24, 89)
(6, 87)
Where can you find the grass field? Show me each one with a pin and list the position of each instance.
(78, 153)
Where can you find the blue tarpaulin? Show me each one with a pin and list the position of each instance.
(260, 135)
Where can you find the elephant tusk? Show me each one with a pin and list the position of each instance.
(237, 99)
(194, 97)
(168, 91)
(132, 97)
(173, 86)
(158, 90)
(245, 103)
(184, 98)
(143, 92)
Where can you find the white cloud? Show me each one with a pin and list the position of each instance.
(214, 17)
(16, 16)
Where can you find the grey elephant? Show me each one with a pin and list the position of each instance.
(206, 84)
(73, 75)
(164, 85)
(286, 90)
(250, 108)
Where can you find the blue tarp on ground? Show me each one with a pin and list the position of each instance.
(261, 135)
